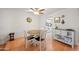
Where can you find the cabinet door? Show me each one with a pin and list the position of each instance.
(57, 31)
(64, 33)
(68, 40)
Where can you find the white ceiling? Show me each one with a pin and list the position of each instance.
(52, 10)
(47, 10)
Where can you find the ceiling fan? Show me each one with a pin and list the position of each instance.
(37, 11)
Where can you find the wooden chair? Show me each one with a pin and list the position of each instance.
(25, 37)
(36, 40)
(28, 39)
(41, 40)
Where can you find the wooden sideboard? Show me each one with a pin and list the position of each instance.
(66, 36)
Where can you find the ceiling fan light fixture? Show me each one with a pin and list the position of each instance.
(36, 13)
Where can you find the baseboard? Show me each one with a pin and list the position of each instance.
(19, 36)
(77, 45)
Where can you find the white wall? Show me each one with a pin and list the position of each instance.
(13, 20)
(71, 20)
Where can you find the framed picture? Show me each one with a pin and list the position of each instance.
(57, 20)
(49, 24)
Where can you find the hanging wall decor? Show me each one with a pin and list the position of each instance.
(49, 22)
(29, 20)
(57, 20)
(62, 19)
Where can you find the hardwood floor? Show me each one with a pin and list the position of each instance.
(59, 46)
(19, 45)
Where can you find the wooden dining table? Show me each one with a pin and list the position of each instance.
(34, 32)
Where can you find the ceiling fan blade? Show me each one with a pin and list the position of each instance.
(32, 8)
(42, 9)
(37, 8)
(41, 13)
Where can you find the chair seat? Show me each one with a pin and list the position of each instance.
(38, 39)
(30, 37)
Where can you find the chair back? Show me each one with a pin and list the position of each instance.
(26, 39)
(42, 35)
(25, 35)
